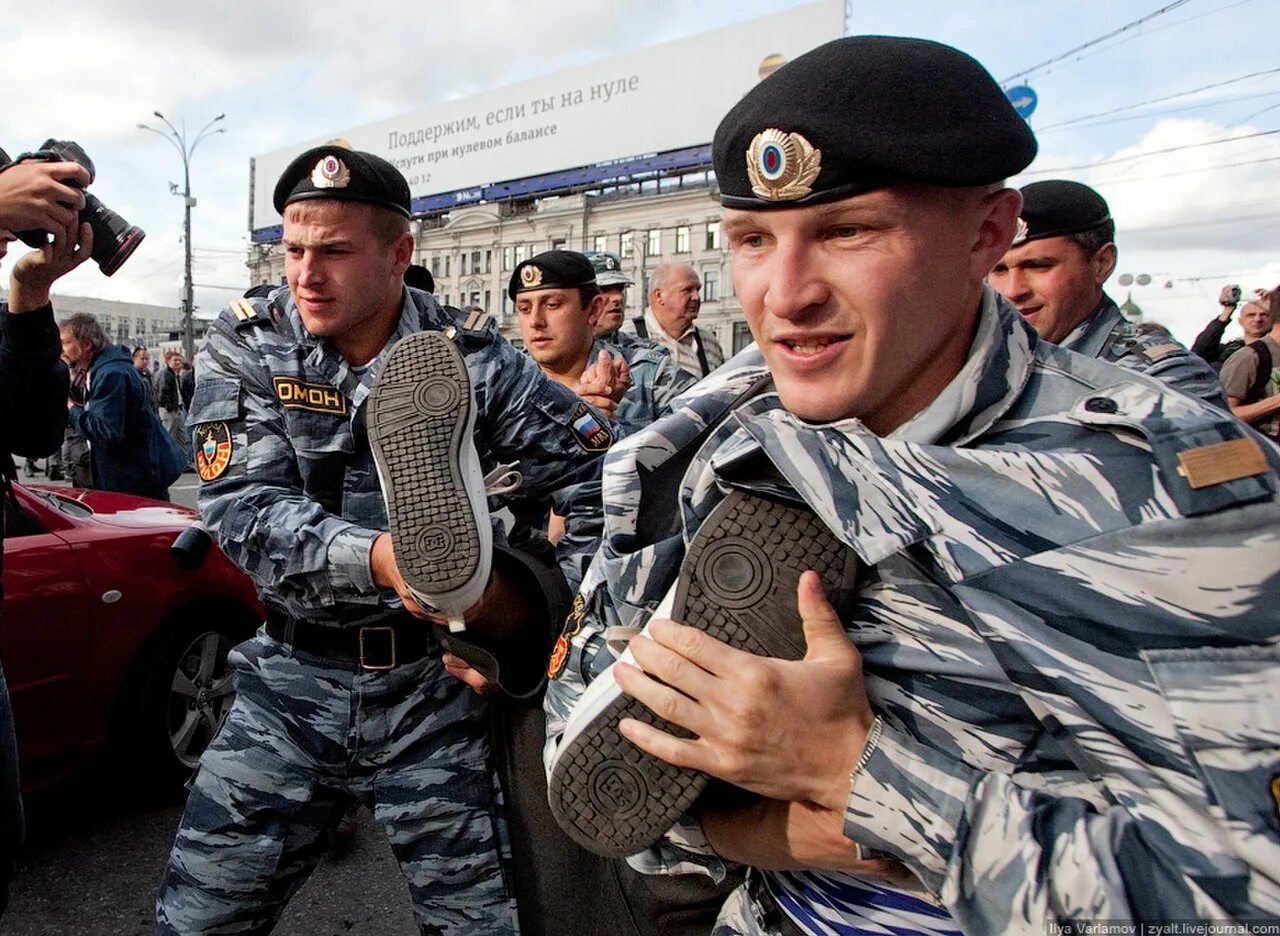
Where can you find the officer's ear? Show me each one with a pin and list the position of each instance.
(1103, 263)
(595, 309)
(997, 217)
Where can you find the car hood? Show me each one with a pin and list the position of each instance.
(131, 510)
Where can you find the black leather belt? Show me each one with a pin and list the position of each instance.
(375, 647)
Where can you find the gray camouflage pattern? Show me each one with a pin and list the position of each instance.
(655, 382)
(298, 507)
(1109, 336)
(411, 744)
(1076, 653)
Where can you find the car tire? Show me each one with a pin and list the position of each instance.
(183, 692)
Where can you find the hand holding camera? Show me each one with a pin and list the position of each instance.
(43, 195)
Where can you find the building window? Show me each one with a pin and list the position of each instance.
(557, 243)
(682, 239)
(713, 235)
(711, 286)
(447, 258)
(520, 254)
(624, 244)
(653, 246)
(488, 297)
(475, 300)
(462, 264)
(475, 261)
(601, 243)
(435, 265)
(507, 254)
(488, 262)
(741, 336)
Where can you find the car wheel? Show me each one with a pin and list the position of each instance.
(185, 692)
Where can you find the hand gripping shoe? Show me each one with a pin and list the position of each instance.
(738, 583)
(421, 415)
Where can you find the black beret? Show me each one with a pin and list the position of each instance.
(336, 172)
(863, 113)
(555, 269)
(1058, 207)
(419, 277)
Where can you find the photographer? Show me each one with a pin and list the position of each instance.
(33, 380)
(1208, 343)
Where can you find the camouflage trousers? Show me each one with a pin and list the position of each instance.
(302, 736)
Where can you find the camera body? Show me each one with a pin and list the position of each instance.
(114, 238)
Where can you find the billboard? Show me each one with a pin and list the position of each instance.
(654, 100)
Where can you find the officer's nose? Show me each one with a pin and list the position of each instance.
(1014, 285)
(796, 286)
(308, 270)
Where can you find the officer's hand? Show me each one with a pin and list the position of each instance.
(386, 574)
(787, 730)
(34, 195)
(788, 836)
(460, 669)
(34, 275)
(604, 382)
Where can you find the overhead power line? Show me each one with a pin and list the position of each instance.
(1158, 100)
(1168, 8)
(1158, 152)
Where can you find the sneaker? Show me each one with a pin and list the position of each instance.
(421, 416)
(738, 583)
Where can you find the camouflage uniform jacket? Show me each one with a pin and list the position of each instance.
(1109, 336)
(1075, 651)
(655, 382)
(298, 503)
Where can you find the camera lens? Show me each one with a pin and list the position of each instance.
(114, 238)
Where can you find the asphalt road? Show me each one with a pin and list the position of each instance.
(93, 860)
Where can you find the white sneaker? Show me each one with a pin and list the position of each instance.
(738, 583)
(421, 416)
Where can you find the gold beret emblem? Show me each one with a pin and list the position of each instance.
(531, 276)
(782, 166)
(1020, 232)
(331, 172)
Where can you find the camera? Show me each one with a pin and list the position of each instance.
(114, 238)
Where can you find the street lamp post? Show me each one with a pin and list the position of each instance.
(179, 140)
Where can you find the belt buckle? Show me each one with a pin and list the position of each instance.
(377, 667)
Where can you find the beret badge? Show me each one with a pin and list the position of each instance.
(531, 276)
(1020, 232)
(782, 166)
(330, 172)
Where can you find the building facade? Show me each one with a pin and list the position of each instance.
(134, 324)
(472, 250)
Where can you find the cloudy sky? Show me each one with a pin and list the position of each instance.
(1176, 122)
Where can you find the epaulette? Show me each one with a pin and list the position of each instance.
(477, 321)
(247, 314)
(1156, 353)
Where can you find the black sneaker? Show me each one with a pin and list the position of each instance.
(421, 415)
(737, 583)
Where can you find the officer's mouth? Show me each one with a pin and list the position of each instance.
(811, 350)
(1029, 312)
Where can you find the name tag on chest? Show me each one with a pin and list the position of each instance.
(317, 398)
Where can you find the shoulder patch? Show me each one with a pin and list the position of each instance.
(1222, 462)
(316, 397)
(212, 450)
(476, 321)
(591, 433)
(559, 656)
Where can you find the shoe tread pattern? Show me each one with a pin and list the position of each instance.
(737, 583)
(418, 413)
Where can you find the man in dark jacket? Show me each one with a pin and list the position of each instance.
(115, 417)
(33, 382)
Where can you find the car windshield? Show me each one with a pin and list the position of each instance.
(68, 506)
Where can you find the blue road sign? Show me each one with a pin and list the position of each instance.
(1023, 99)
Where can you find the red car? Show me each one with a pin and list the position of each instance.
(111, 633)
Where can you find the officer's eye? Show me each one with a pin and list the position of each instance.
(842, 231)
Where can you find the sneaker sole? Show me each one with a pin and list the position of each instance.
(737, 583)
(419, 414)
